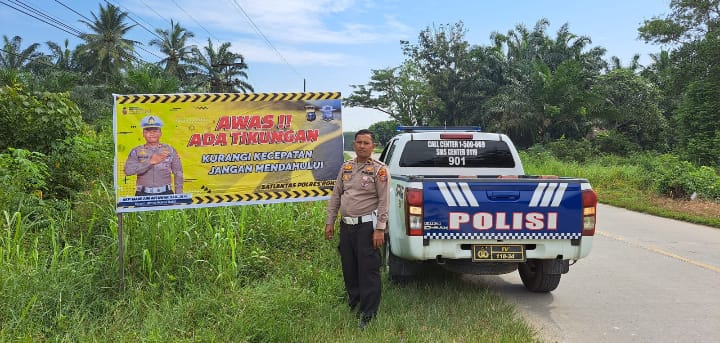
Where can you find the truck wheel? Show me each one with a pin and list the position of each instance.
(399, 271)
(535, 277)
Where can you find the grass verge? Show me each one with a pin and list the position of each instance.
(243, 274)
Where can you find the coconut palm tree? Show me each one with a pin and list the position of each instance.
(13, 56)
(62, 56)
(105, 52)
(221, 70)
(173, 43)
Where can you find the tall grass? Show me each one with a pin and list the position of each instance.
(258, 273)
(632, 182)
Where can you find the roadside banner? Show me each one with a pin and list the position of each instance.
(176, 151)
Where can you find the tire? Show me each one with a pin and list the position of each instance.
(535, 277)
(399, 271)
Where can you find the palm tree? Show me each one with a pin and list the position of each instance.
(633, 66)
(105, 52)
(173, 45)
(13, 57)
(220, 71)
(63, 56)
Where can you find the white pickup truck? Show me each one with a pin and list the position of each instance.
(460, 198)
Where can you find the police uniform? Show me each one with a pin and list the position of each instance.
(360, 195)
(154, 179)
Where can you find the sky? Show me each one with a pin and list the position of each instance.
(327, 46)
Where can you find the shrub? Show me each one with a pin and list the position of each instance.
(681, 179)
(704, 182)
(613, 142)
(36, 121)
(572, 150)
(23, 175)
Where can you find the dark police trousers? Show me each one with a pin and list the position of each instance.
(361, 267)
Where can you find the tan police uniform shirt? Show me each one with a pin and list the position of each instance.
(159, 175)
(359, 190)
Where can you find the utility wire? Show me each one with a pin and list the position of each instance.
(262, 35)
(198, 43)
(136, 22)
(139, 45)
(46, 16)
(154, 11)
(196, 22)
(40, 19)
(71, 9)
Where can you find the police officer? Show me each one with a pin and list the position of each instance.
(154, 162)
(360, 196)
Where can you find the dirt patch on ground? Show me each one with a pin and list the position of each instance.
(696, 207)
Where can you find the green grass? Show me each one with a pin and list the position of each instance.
(258, 273)
(621, 182)
(238, 274)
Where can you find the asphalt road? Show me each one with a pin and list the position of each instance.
(647, 279)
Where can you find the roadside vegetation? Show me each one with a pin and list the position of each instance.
(264, 273)
(250, 273)
(656, 184)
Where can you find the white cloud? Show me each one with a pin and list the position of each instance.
(303, 32)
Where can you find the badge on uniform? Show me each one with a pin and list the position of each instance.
(347, 171)
(382, 174)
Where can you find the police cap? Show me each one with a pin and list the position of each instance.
(150, 122)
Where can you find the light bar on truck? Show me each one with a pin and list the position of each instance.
(402, 128)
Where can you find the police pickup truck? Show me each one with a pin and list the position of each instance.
(460, 198)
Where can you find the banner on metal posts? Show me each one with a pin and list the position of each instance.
(177, 151)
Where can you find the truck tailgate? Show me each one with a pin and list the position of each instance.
(502, 209)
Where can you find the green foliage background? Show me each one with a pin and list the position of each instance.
(264, 273)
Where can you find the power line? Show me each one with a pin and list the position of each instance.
(196, 22)
(154, 11)
(198, 43)
(74, 11)
(46, 16)
(41, 19)
(262, 35)
(47, 19)
(133, 19)
(138, 45)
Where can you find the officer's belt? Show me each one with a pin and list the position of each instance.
(357, 220)
(156, 190)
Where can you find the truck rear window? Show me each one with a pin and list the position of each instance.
(457, 153)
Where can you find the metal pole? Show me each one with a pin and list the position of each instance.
(121, 252)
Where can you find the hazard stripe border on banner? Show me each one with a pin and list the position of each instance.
(222, 97)
(251, 197)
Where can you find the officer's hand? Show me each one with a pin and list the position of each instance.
(378, 238)
(329, 231)
(157, 158)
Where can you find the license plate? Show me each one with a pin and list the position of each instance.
(495, 252)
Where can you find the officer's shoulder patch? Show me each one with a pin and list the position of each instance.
(382, 174)
(347, 166)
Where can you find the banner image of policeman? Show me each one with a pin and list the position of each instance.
(156, 164)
